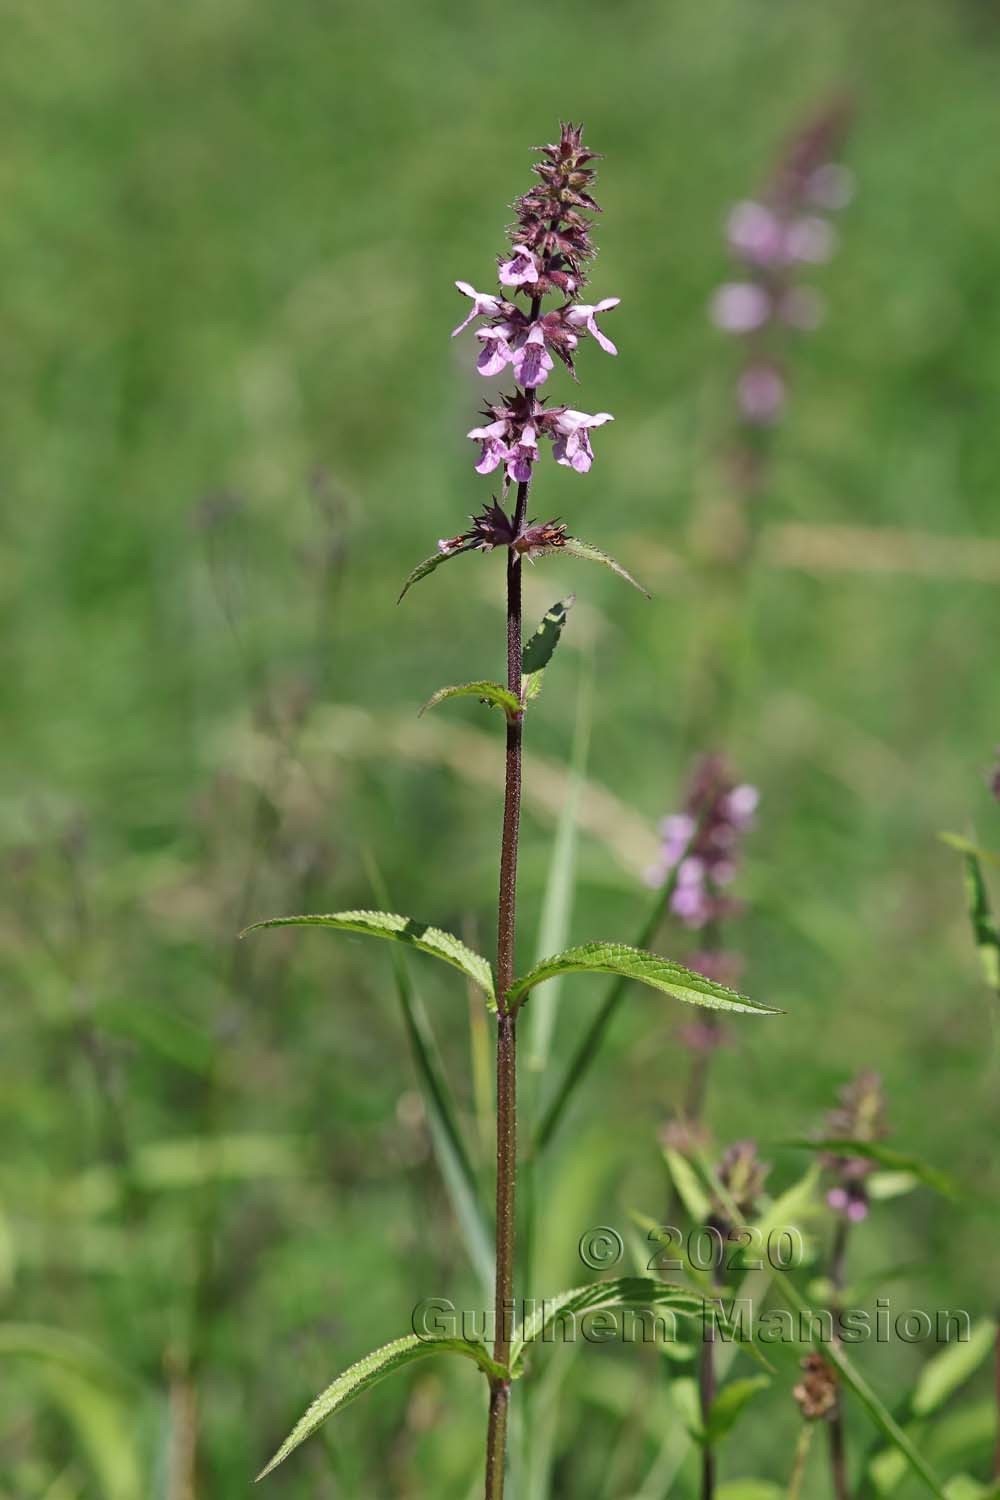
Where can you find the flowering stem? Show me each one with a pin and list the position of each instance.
(496, 1436)
(706, 1388)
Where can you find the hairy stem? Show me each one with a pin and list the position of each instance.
(496, 1437)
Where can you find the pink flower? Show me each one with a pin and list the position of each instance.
(811, 239)
(532, 361)
(493, 447)
(484, 305)
(496, 351)
(583, 315)
(761, 394)
(521, 267)
(740, 307)
(572, 446)
(756, 234)
(522, 454)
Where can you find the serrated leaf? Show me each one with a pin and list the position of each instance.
(632, 963)
(623, 1291)
(538, 651)
(729, 1405)
(576, 548)
(493, 693)
(943, 1374)
(894, 1161)
(429, 565)
(399, 929)
(368, 1372)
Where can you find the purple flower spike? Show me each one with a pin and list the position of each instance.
(522, 267)
(484, 305)
(532, 361)
(584, 315)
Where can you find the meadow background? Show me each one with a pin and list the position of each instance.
(232, 420)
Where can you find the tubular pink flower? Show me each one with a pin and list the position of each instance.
(522, 267)
(583, 315)
(493, 448)
(484, 305)
(572, 446)
(496, 352)
(522, 454)
(532, 361)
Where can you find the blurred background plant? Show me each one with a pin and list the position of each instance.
(216, 232)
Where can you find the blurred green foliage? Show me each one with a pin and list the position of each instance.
(232, 421)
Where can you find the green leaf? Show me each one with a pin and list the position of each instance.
(730, 1403)
(623, 1291)
(984, 927)
(632, 963)
(964, 1487)
(428, 565)
(895, 1161)
(689, 1189)
(399, 929)
(576, 548)
(538, 651)
(943, 1374)
(487, 692)
(368, 1372)
(966, 846)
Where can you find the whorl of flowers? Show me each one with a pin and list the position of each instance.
(742, 1174)
(772, 237)
(859, 1116)
(816, 1392)
(550, 249)
(702, 842)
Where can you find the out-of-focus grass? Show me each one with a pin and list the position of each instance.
(232, 419)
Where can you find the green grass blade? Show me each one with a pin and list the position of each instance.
(557, 903)
(886, 1156)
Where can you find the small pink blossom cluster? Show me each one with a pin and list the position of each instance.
(702, 844)
(859, 1116)
(771, 237)
(550, 248)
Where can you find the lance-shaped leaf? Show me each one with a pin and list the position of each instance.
(428, 566)
(895, 1161)
(487, 692)
(623, 1291)
(632, 963)
(368, 1372)
(385, 924)
(539, 650)
(943, 1374)
(576, 548)
(729, 1406)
